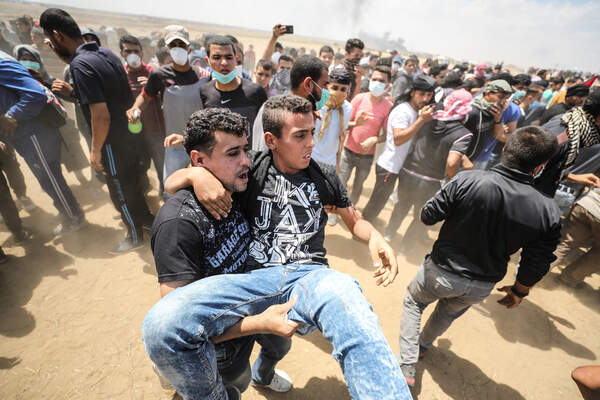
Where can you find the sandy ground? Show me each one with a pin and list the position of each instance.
(70, 319)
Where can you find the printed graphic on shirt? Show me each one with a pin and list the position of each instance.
(288, 225)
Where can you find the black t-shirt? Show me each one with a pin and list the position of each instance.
(99, 77)
(433, 143)
(481, 125)
(189, 244)
(530, 116)
(165, 76)
(245, 100)
(288, 221)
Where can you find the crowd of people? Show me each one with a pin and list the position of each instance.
(508, 162)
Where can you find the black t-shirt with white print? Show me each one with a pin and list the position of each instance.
(189, 244)
(287, 220)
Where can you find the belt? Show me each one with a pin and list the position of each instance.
(424, 177)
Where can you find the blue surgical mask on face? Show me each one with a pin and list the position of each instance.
(224, 79)
(34, 65)
(519, 94)
(325, 95)
(535, 104)
(376, 88)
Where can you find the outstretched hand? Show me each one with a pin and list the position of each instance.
(384, 261)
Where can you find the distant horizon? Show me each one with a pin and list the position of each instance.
(492, 29)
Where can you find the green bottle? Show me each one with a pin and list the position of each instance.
(135, 127)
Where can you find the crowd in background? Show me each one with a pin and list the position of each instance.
(417, 122)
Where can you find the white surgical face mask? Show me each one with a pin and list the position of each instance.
(376, 88)
(179, 55)
(133, 60)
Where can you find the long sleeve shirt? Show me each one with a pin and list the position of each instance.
(21, 96)
(489, 215)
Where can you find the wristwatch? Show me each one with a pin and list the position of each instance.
(517, 293)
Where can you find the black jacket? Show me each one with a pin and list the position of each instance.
(490, 215)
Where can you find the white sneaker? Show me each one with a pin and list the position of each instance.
(394, 198)
(280, 383)
(332, 219)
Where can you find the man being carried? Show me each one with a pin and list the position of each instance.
(488, 216)
(284, 206)
(189, 244)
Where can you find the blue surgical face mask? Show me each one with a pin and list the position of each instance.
(535, 104)
(376, 88)
(325, 95)
(224, 79)
(34, 65)
(519, 94)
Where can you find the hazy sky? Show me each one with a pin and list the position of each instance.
(545, 33)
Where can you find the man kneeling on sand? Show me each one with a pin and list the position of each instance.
(284, 205)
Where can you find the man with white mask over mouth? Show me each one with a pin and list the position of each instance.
(178, 84)
(153, 131)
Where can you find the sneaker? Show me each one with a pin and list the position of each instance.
(126, 245)
(409, 371)
(280, 383)
(332, 219)
(26, 204)
(22, 236)
(233, 393)
(68, 227)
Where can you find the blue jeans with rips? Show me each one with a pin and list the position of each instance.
(177, 330)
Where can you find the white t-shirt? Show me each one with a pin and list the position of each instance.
(258, 133)
(392, 158)
(326, 149)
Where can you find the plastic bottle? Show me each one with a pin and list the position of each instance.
(135, 127)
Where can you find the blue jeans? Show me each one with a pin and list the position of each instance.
(177, 330)
(233, 359)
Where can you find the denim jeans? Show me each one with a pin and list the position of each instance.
(455, 294)
(175, 158)
(361, 163)
(177, 330)
(233, 359)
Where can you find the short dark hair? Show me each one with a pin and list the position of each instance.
(277, 107)
(528, 147)
(232, 38)
(326, 49)
(278, 45)
(435, 70)
(558, 80)
(201, 126)
(129, 39)
(218, 40)
(412, 60)
(306, 66)
(341, 76)
(572, 79)
(354, 44)
(284, 57)
(55, 19)
(505, 76)
(522, 79)
(265, 64)
(384, 69)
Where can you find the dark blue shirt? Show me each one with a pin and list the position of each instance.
(99, 77)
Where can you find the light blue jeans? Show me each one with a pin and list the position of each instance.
(177, 330)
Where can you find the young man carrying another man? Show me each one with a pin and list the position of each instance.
(284, 206)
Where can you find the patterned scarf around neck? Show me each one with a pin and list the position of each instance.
(582, 132)
(330, 104)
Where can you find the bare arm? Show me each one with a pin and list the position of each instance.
(453, 163)
(168, 287)
(403, 135)
(384, 258)
(278, 30)
(100, 124)
(273, 320)
(139, 103)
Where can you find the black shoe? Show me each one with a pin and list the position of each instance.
(409, 371)
(22, 236)
(68, 227)
(147, 223)
(126, 245)
(422, 351)
(233, 393)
